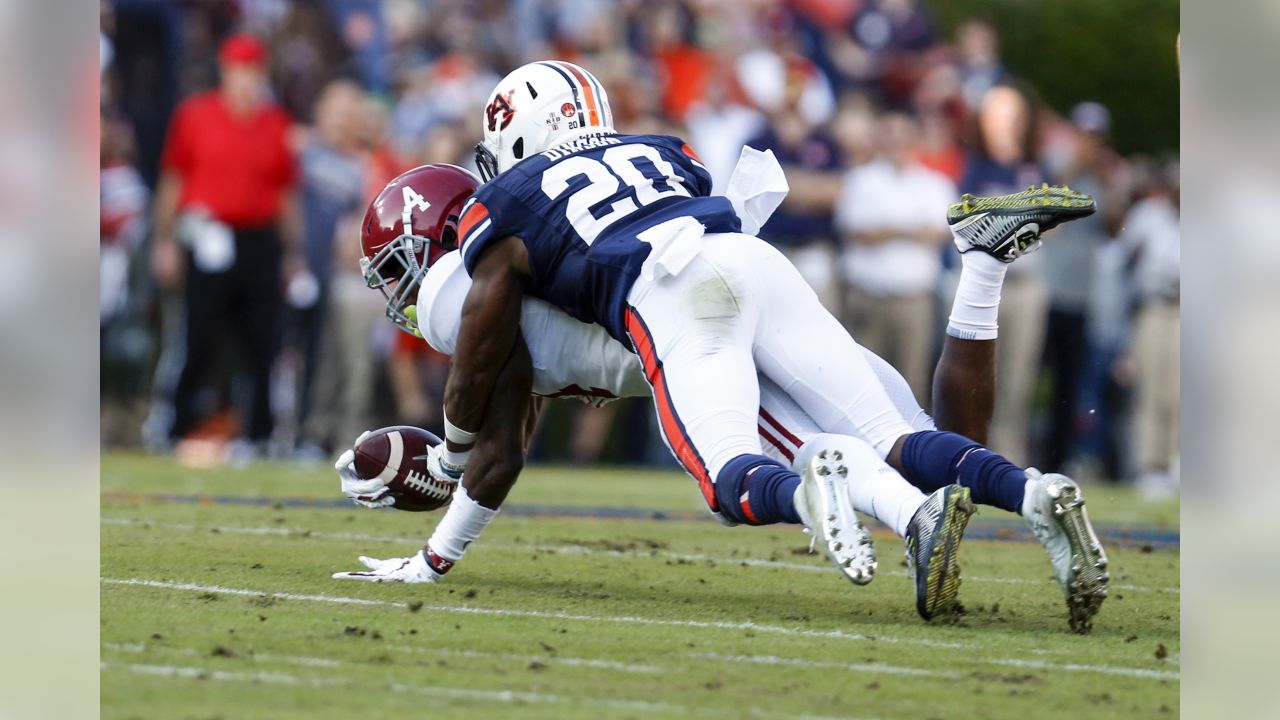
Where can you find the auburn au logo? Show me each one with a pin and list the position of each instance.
(500, 112)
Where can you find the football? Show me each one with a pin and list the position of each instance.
(397, 454)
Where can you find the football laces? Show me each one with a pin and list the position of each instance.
(427, 485)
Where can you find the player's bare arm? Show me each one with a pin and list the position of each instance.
(495, 464)
(498, 455)
(488, 333)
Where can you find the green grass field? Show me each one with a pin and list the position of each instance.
(223, 608)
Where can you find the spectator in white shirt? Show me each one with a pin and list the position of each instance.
(1152, 236)
(889, 215)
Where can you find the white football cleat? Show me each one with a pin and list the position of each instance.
(823, 502)
(1054, 508)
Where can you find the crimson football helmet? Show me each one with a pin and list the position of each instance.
(412, 222)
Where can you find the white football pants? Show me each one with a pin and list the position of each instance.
(738, 308)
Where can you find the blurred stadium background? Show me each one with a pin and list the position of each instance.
(982, 95)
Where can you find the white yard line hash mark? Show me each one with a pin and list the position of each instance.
(578, 550)
(705, 624)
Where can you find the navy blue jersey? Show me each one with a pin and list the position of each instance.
(579, 207)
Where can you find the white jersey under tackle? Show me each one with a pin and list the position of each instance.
(570, 358)
(576, 359)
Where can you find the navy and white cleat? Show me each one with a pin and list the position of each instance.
(1054, 508)
(933, 541)
(830, 519)
(1007, 227)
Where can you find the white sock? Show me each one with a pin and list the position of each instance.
(977, 306)
(875, 488)
(879, 491)
(461, 525)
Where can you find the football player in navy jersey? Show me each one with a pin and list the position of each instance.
(620, 231)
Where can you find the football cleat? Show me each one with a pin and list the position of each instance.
(824, 495)
(933, 540)
(1054, 508)
(1007, 227)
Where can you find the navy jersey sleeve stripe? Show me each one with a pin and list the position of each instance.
(694, 174)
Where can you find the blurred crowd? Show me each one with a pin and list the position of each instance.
(235, 322)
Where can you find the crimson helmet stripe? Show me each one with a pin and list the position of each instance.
(597, 110)
(577, 94)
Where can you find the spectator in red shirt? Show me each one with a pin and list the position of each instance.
(226, 218)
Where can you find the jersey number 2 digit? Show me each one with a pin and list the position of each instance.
(651, 181)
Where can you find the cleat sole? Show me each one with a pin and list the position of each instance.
(1061, 199)
(852, 552)
(1087, 588)
(942, 584)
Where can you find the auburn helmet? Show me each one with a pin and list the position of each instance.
(408, 226)
(537, 107)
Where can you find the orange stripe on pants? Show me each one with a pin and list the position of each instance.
(672, 429)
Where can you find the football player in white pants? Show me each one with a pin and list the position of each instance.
(622, 231)
(571, 358)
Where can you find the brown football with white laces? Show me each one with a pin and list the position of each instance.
(398, 455)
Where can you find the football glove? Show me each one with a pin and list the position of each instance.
(406, 570)
(371, 493)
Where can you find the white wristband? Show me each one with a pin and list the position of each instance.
(454, 462)
(455, 434)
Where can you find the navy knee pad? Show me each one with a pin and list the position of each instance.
(757, 490)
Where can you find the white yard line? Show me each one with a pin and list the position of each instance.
(257, 656)
(577, 550)
(449, 652)
(877, 668)
(1075, 667)
(437, 691)
(900, 670)
(512, 612)
(627, 619)
(549, 659)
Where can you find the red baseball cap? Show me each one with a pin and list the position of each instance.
(243, 48)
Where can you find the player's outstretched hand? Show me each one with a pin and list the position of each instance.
(406, 570)
(369, 493)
